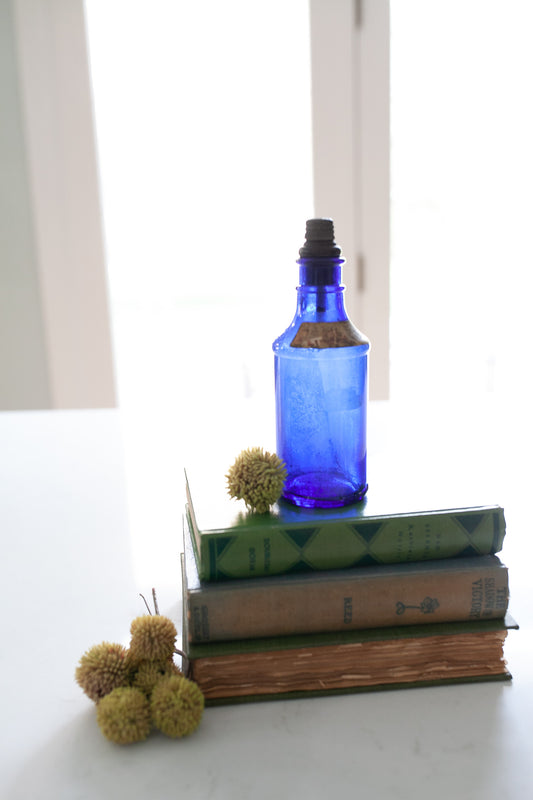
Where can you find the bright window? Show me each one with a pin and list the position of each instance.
(462, 204)
(203, 126)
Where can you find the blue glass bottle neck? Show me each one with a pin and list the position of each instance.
(320, 294)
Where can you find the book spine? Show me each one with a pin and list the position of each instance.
(346, 600)
(336, 544)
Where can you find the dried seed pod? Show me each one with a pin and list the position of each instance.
(177, 706)
(152, 638)
(257, 477)
(124, 716)
(148, 673)
(103, 668)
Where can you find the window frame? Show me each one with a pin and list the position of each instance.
(350, 55)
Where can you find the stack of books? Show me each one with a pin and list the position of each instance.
(300, 602)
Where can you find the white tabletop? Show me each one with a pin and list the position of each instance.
(90, 514)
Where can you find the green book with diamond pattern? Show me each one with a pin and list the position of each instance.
(383, 529)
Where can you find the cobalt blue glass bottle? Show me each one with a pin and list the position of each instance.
(321, 383)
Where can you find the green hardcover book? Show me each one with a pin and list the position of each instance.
(345, 662)
(444, 590)
(232, 543)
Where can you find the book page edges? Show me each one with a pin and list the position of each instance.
(262, 698)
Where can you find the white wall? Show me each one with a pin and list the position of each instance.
(55, 341)
(24, 379)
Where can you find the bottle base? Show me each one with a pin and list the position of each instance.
(316, 490)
